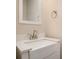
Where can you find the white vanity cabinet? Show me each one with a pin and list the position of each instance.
(48, 53)
(39, 49)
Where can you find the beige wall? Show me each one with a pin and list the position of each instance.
(52, 27)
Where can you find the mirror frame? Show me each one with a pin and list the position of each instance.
(21, 15)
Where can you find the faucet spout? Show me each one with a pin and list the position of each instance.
(34, 35)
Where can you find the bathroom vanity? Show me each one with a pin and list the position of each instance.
(43, 48)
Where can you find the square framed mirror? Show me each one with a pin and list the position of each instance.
(30, 11)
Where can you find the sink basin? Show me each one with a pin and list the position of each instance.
(24, 45)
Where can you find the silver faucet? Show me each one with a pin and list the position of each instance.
(34, 35)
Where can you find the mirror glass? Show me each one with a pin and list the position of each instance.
(30, 11)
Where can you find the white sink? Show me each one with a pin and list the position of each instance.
(24, 45)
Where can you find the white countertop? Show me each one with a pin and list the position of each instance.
(25, 45)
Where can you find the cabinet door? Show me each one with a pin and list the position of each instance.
(24, 56)
(56, 54)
